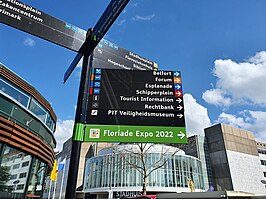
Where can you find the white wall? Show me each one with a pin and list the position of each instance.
(246, 172)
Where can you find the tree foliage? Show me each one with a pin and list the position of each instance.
(4, 177)
(138, 158)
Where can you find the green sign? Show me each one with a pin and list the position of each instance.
(122, 133)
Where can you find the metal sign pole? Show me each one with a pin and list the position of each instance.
(80, 120)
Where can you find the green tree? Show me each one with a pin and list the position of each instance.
(4, 177)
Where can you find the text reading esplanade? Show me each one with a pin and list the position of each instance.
(139, 106)
(136, 98)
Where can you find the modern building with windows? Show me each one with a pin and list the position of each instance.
(27, 125)
(234, 159)
(115, 172)
(197, 147)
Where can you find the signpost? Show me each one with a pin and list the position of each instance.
(94, 36)
(135, 106)
(31, 20)
(108, 17)
(109, 55)
(26, 18)
(113, 105)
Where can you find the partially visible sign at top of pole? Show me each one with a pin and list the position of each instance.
(26, 18)
(110, 14)
(109, 55)
(108, 17)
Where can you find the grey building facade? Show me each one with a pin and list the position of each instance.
(234, 159)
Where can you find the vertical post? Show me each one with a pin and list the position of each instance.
(80, 121)
(55, 184)
(62, 183)
(110, 192)
(49, 193)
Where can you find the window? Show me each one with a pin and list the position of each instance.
(23, 175)
(9, 155)
(264, 173)
(37, 175)
(14, 92)
(24, 164)
(13, 177)
(16, 166)
(20, 186)
(24, 99)
(50, 122)
(38, 110)
(263, 162)
(42, 113)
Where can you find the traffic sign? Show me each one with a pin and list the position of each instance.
(109, 55)
(29, 19)
(130, 102)
(110, 14)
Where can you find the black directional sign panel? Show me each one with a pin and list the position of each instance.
(109, 55)
(135, 101)
(110, 14)
(31, 20)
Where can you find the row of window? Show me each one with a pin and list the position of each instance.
(261, 151)
(30, 179)
(24, 164)
(21, 175)
(28, 102)
(10, 110)
(14, 157)
(16, 187)
(117, 171)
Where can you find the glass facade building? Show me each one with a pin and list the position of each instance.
(117, 170)
(27, 125)
(197, 147)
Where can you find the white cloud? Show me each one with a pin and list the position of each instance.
(121, 22)
(143, 18)
(64, 130)
(239, 83)
(135, 4)
(29, 42)
(231, 120)
(196, 116)
(216, 97)
(253, 121)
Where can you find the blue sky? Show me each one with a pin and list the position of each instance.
(219, 46)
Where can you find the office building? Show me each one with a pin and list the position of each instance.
(27, 125)
(234, 159)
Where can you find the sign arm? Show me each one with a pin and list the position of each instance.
(72, 66)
